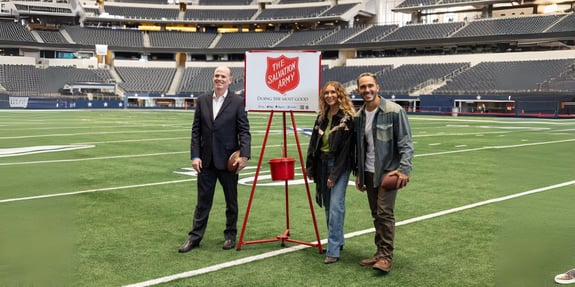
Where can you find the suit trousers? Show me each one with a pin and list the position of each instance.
(206, 184)
(382, 205)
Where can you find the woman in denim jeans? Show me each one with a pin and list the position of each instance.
(329, 160)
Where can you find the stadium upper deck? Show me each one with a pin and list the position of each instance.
(176, 40)
(228, 26)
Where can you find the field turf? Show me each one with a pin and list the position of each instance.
(104, 198)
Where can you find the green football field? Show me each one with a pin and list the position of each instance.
(105, 198)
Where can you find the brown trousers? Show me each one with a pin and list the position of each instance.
(382, 205)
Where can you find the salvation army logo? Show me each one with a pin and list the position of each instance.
(282, 73)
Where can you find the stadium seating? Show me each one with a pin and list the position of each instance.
(372, 34)
(10, 31)
(146, 80)
(507, 26)
(422, 32)
(219, 14)
(27, 80)
(340, 35)
(407, 78)
(170, 39)
(451, 78)
(291, 13)
(111, 37)
(250, 40)
(416, 3)
(198, 80)
(347, 74)
(52, 37)
(566, 24)
(338, 10)
(304, 38)
(92, 11)
(508, 77)
(19, 79)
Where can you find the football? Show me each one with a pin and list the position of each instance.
(231, 160)
(390, 181)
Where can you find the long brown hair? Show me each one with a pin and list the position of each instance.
(343, 99)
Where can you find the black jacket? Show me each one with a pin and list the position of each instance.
(214, 140)
(341, 145)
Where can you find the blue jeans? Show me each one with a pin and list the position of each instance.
(335, 212)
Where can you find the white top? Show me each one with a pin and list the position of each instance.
(217, 103)
(370, 150)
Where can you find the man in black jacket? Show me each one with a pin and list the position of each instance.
(220, 127)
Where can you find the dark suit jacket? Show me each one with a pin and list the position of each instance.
(213, 141)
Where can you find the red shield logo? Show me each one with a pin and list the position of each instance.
(282, 73)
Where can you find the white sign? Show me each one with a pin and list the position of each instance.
(18, 102)
(282, 80)
(101, 49)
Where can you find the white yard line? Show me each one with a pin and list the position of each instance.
(249, 259)
(92, 158)
(456, 134)
(96, 190)
(499, 121)
(496, 147)
(180, 152)
(105, 157)
(157, 154)
(92, 133)
(138, 140)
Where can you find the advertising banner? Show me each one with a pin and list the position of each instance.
(19, 102)
(282, 80)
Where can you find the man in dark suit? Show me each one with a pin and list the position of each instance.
(220, 127)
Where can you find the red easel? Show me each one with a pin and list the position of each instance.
(284, 237)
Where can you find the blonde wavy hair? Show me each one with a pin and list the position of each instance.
(343, 99)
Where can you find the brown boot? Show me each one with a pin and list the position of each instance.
(370, 261)
(382, 265)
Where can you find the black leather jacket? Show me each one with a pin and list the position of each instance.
(341, 145)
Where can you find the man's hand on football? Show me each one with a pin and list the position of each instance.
(402, 179)
(242, 162)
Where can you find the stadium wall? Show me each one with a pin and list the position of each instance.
(13, 102)
(548, 106)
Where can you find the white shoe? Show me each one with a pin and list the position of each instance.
(566, 278)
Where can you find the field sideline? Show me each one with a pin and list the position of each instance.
(490, 204)
(214, 268)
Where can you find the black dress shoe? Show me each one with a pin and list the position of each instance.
(229, 244)
(188, 245)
